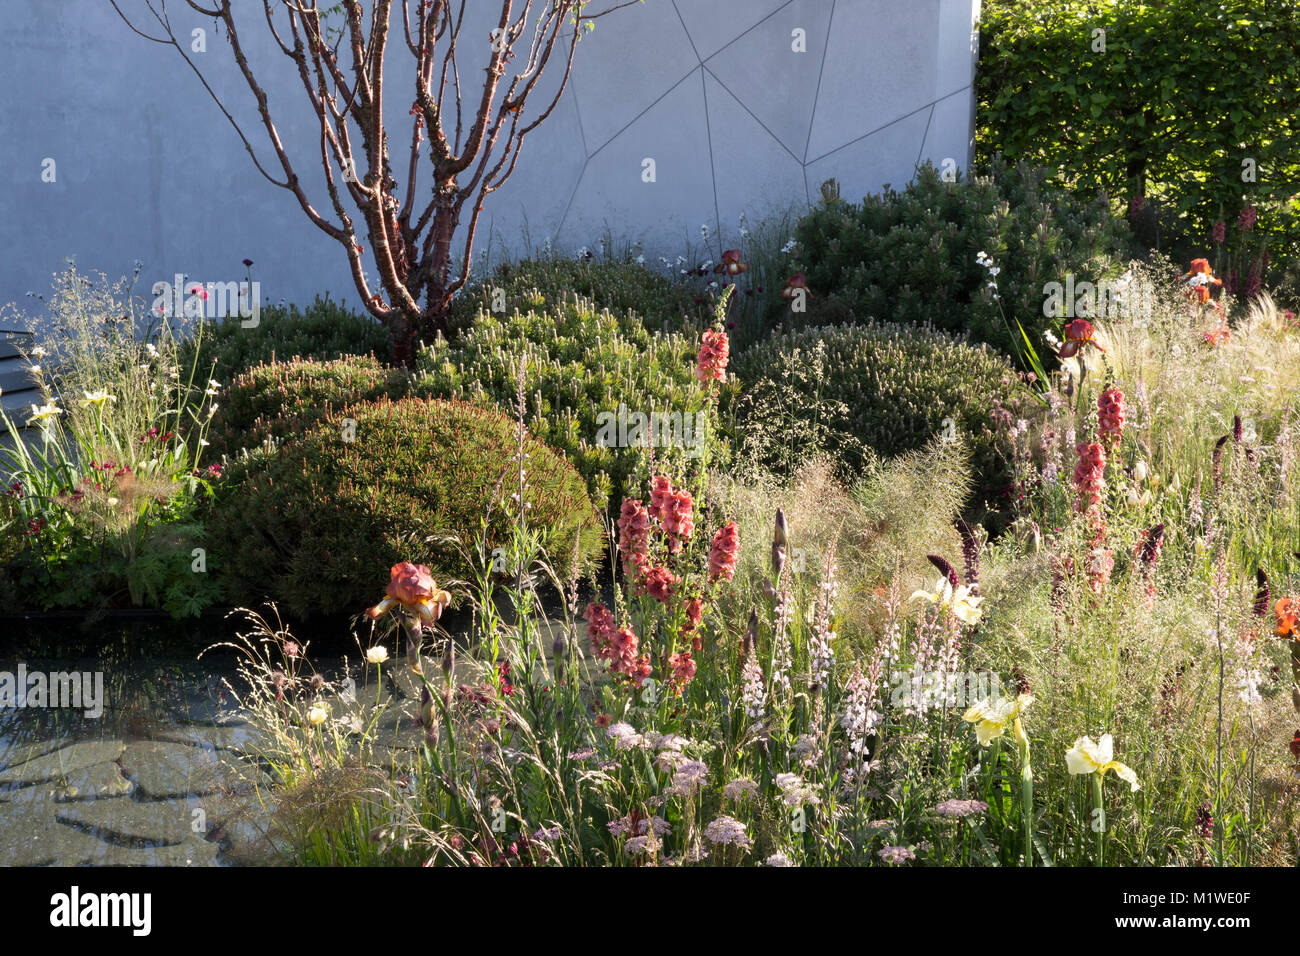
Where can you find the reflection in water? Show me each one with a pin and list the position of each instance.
(165, 776)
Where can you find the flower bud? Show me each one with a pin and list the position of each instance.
(1140, 471)
(780, 545)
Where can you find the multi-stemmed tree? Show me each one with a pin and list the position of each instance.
(409, 235)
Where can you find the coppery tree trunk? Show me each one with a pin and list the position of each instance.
(418, 273)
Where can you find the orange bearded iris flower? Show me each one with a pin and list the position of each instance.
(1287, 612)
(793, 284)
(1198, 278)
(731, 264)
(1078, 334)
(412, 588)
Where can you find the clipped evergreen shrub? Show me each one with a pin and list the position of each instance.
(620, 287)
(910, 257)
(873, 390)
(323, 331)
(582, 365)
(318, 524)
(282, 399)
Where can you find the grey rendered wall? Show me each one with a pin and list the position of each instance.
(712, 90)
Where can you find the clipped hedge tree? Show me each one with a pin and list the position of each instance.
(910, 257)
(317, 525)
(1187, 106)
(870, 391)
(279, 400)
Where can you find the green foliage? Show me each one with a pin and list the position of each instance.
(275, 401)
(1182, 94)
(620, 287)
(317, 524)
(910, 256)
(325, 330)
(102, 495)
(886, 389)
(579, 363)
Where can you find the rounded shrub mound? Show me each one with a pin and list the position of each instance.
(317, 525)
(910, 256)
(323, 331)
(278, 400)
(620, 287)
(855, 390)
(582, 367)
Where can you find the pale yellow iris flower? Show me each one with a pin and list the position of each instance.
(1088, 757)
(958, 600)
(992, 717)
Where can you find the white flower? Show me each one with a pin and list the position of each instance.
(789, 246)
(640, 260)
(44, 413)
(377, 654)
(958, 600)
(97, 398)
(317, 715)
(1088, 757)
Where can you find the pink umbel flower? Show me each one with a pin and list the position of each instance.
(711, 363)
(1110, 416)
(1088, 480)
(633, 536)
(658, 583)
(722, 556)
